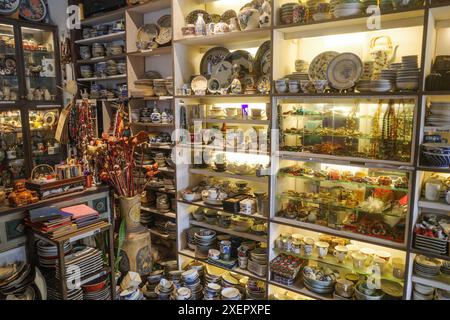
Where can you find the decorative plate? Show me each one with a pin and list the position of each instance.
(33, 10)
(164, 36)
(263, 85)
(227, 15)
(146, 34)
(344, 71)
(223, 72)
(263, 59)
(152, 75)
(49, 118)
(9, 7)
(241, 62)
(192, 17)
(213, 85)
(199, 84)
(165, 21)
(319, 65)
(211, 58)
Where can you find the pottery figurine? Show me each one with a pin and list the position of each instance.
(22, 196)
(234, 25)
(200, 26)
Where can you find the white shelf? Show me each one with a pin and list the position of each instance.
(118, 77)
(436, 205)
(244, 235)
(105, 38)
(151, 52)
(150, 6)
(338, 233)
(212, 173)
(440, 282)
(171, 215)
(233, 121)
(302, 290)
(228, 38)
(238, 270)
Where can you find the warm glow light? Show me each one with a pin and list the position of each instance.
(343, 40)
(261, 106)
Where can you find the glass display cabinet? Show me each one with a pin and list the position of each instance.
(44, 148)
(369, 129)
(9, 81)
(373, 202)
(12, 153)
(39, 64)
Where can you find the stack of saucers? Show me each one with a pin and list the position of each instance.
(364, 85)
(427, 267)
(422, 292)
(190, 237)
(298, 76)
(254, 290)
(164, 289)
(408, 74)
(380, 85)
(200, 267)
(191, 280)
(212, 278)
(212, 291)
(439, 114)
(48, 254)
(230, 294)
(205, 239)
(287, 12)
(228, 281)
(390, 75)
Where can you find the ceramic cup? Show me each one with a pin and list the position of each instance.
(370, 253)
(243, 262)
(398, 268)
(308, 246)
(340, 252)
(380, 264)
(322, 248)
(359, 260)
(225, 250)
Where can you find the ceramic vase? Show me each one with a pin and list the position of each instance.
(248, 19)
(136, 253)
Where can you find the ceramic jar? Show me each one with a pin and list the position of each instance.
(248, 19)
(433, 188)
(85, 52)
(98, 50)
(200, 26)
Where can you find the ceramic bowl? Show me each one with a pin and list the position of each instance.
(320, 85)
(306, 86)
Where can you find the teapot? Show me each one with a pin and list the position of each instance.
(383, 52)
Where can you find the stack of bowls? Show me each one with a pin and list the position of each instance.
(224, 219)
(164, 289)
(152, 282)
(230, 294)
(204, 240)
(317, 281)
(160, 87)
(182, 294)
(408, 74)
(114, 50)
(422, 292)
(287, 13)
(254, 290)
(48, 254)
(312, 7)
(111, 68)
(132, 295)
(364, 85)
(144, 87)
(228, 281)
(364, 292)
(346, 8)
(101, 69)
(175, 277)
(212, 291)
(442, 294)
(212, 278)
(322, 12)
(191, 280)
(190, 237)
(390, 75)
(86, 71)
(281, 86)
(211, 216)
(98, 50)
(122, 67)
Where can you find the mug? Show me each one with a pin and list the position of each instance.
(308, 246)
(359, 260)
(225, 250)
(340, 252)
(322, 249)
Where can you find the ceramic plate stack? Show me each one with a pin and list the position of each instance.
(200, 267)
(103, 294)
(231, 294)
(212, 291)
(228, 281)
(54, 294)
(442, 294)
(318, 286)
(408, 74)
(190, 237)
(16, 282)
(364, 85)
(445, 268)
(380, 85)
(287, 12)
(255, 291)
(146, 217)
(437, 154)
(205, 239)
(439, 114)
(422, 292)
(346, 8)
(164, 289)
(426, 267)
(175, 277)
(390, 75)
(212, 278)
(435, 245)
(48, 254)
(87, 259)
(152, 282)
(192, 281)
(299, 76)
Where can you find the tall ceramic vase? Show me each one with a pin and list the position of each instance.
(136, 253)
